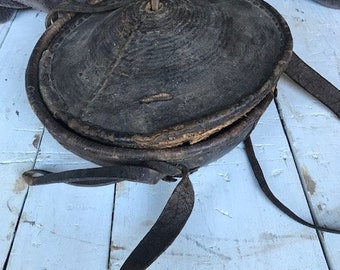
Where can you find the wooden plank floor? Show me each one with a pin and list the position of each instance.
(233, 226)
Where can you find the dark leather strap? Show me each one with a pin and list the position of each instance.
(179, 207)
(148, 173)
(167, 227)
(95, 176)
(12, 4)
(169, 224)
(314, 83)
(266, 190)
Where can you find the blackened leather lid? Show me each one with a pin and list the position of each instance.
(156, 79)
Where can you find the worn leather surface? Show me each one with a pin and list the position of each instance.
(8, 8)
(191, 156)
(167, 227)
(12, 4)
(145, 166)
(159, 79)
(44, 5)
(5, 14)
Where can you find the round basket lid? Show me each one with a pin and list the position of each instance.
(155, 79)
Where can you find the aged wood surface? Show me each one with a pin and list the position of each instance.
(71, 222)
(233, 226)
(19, 129)
(313, 131)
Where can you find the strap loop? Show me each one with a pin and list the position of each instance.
(96, 176)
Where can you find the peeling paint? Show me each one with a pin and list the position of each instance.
(36, 140)
(121, 189)
(24, 219)
(114, 247)
(225, 176)
(277, 172)
(148, 222)
(268, 236)
(19, 185)
(320, 114)
(208, 249)
(315, 155)
(31, 222)
(9, 237)
(225, 213)
(310, 184)
(11, 206)
(321, 206)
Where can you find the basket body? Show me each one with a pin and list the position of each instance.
(133, 95)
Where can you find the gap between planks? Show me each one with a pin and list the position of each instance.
(298, 169)
(23, 203)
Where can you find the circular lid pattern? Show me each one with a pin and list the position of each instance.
(142, 78)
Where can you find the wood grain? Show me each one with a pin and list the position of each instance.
(233, 226)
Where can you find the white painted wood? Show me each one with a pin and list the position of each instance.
(19, 128)
(312, 129)
(62, 226)
(233, 226)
